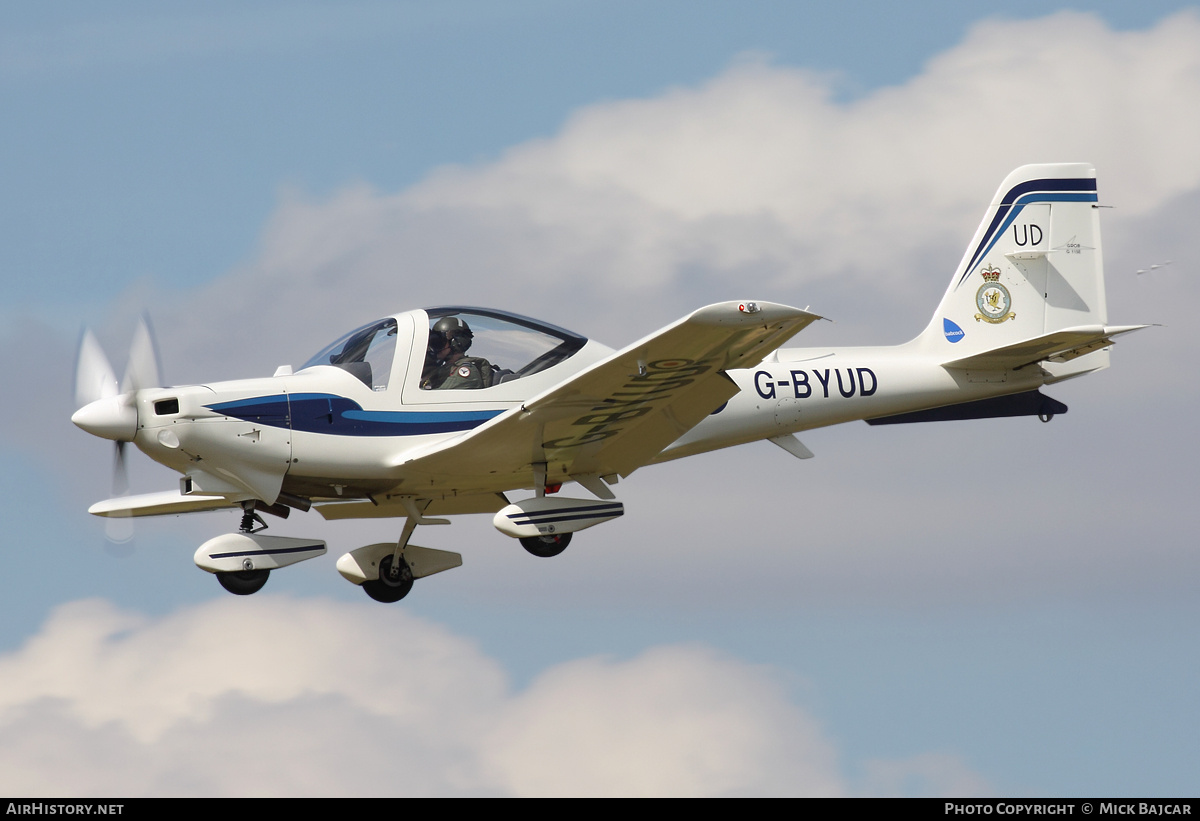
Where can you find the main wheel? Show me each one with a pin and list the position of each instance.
(243, 582)
(387, 588)
(546, 546)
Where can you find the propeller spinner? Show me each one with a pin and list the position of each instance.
(109, 411)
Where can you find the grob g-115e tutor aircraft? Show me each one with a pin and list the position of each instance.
(452, 410)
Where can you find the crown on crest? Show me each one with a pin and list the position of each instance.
(991, 274)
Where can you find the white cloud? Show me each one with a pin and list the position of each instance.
(676, 720)
(758, 181)
(274, 696)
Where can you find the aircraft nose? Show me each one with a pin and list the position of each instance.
(110, 418)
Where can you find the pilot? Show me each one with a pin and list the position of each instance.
(435, 354)
(455, 370)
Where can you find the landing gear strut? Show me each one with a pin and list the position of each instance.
(386, 570)
(250, 519)
(545, 547)
(246, 581)
(395, 576)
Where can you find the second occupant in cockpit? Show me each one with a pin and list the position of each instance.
(447, 366)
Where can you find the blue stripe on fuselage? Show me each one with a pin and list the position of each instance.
(339, 416)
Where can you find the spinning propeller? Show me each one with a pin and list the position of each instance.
(109, 410)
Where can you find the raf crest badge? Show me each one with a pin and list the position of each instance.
(993, 299)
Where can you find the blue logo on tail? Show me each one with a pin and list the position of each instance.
(953, 332)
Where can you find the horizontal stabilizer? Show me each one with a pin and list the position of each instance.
(1058, 346)
(164, 503)
(1030, 403)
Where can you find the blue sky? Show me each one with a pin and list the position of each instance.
(261, 177)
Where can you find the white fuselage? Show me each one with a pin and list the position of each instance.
(815, 388)
(262, 436)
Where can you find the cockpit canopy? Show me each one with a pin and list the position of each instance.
(365, 352)
(464, 348)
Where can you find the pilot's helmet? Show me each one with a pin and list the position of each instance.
(456, 331)
(437, 341)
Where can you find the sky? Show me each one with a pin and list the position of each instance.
(997, 607)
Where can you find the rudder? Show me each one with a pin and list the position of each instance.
(1033, 267)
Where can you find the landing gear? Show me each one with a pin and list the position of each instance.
(243, 582)
(393, 583)
(546, 546)
(385, 571)
(246, 581)
(250, 519)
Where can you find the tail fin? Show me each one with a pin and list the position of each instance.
(1031, 283)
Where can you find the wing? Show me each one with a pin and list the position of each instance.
(163, 503)
(616, 415)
